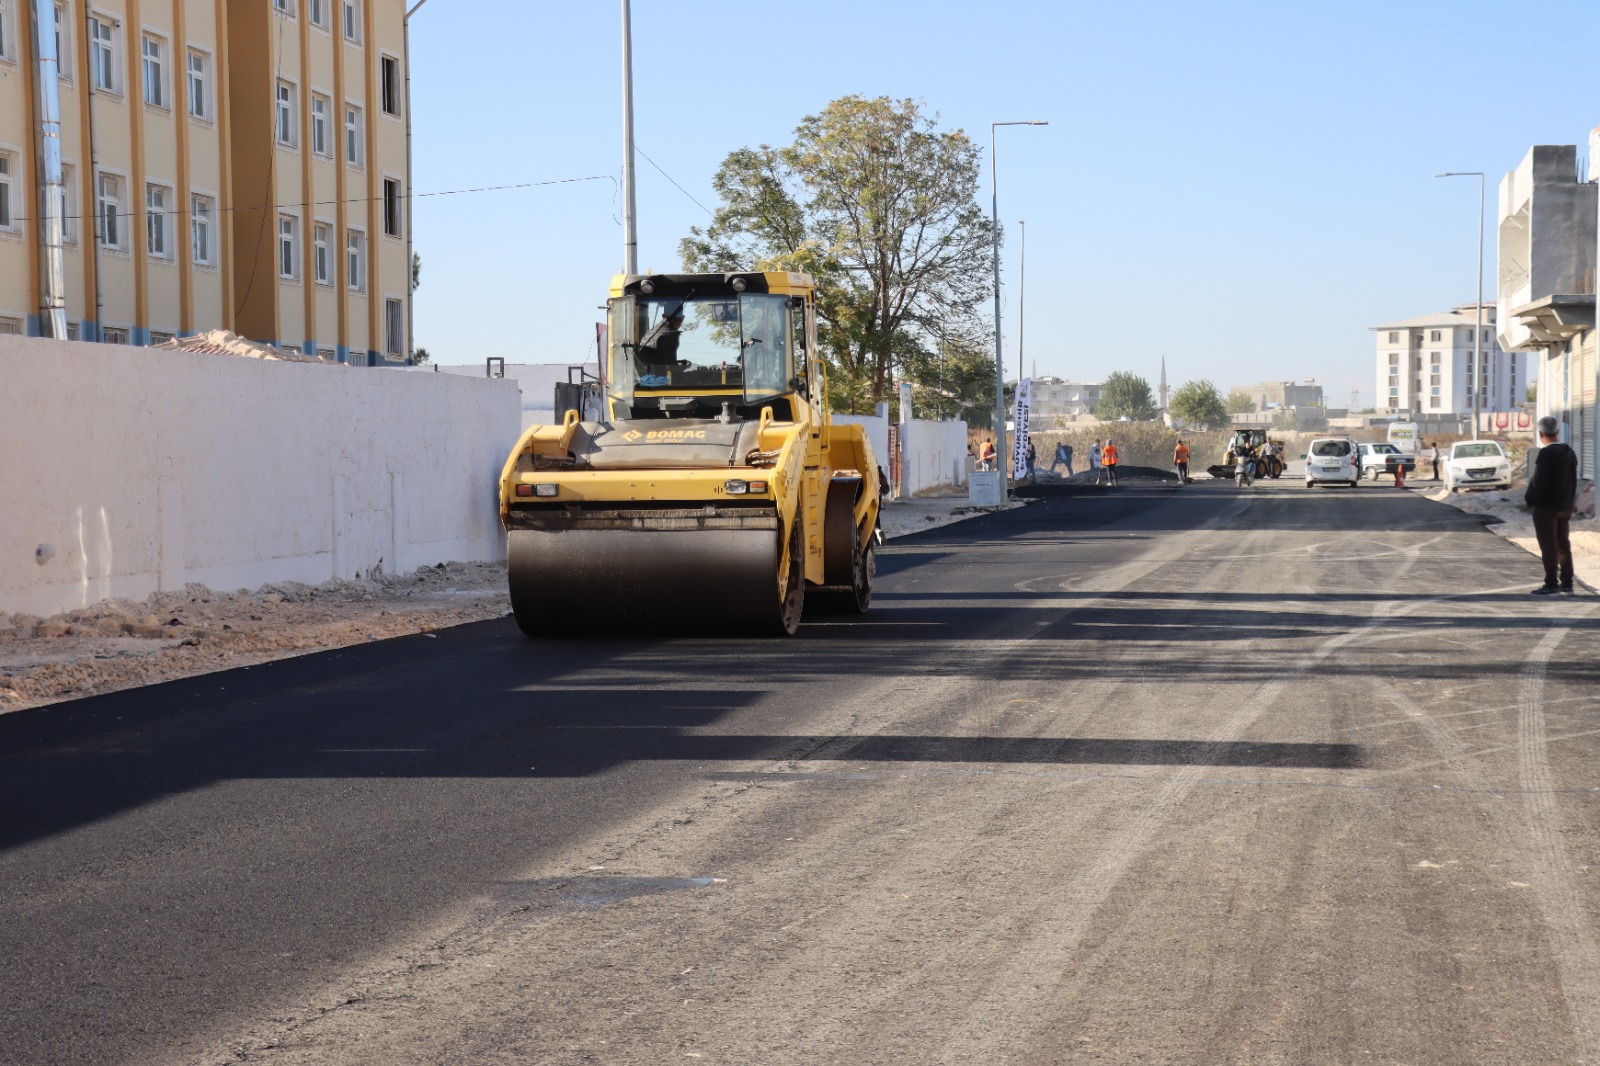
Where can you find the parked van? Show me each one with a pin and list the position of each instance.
(1331, 460)
(1403, 435)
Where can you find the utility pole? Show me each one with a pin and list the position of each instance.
(630, 222)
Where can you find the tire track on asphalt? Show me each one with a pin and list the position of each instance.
(1534, 838)
(999, 1020)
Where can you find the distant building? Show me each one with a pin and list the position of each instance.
(1424, 365)
(1280, 394)
(1059, 398)
(1548, 251)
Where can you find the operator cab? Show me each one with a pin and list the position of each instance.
(689, 345)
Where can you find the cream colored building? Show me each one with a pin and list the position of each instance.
(226, 163)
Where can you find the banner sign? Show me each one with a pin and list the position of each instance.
(1019, 419)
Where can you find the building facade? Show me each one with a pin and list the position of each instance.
(1054, 398)
(237, 164)
(1425, 367)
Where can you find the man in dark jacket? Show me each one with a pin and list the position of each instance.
(1551, 491)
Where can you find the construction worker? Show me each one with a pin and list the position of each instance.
(986, 455)
(1108, 461)
(1180, 462)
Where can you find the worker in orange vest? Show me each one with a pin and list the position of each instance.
(986, 455)
(1180, 462)
(1108, 459)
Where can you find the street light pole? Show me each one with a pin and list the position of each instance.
(1477, 333)
(999, 357)
(630, 233)
(1022, 288)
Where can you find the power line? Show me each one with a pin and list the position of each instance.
(331, 203)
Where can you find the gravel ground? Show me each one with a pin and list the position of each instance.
(118, 644)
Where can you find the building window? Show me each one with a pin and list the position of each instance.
(319, 124)
(9, 326)
(158, 337)
(319, 12)
(288, 246)
(63, 43)
(393, 207)
(1393, 391)
(1394, 359)
(200, 85)
(319, 251)
(1394, 337)
(284, 127)
(1433, 379)
(155, 70)
(103, 54)
(1434, 358)
(1433, 401)
(1434, 336)
(69, 212)
(284, 7)
(200, 211)
(5, 36)
(1435, 391)
(389, 79)
(352, 20)
(7, 217)
(157, 220)
(352, 135)
(356, 259)
(110, 210)
(113, 335)
(394, 328)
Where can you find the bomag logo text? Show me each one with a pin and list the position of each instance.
(676, 434)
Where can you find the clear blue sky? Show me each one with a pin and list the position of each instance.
(1242, 188)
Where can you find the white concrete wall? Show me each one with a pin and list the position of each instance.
(877, 432)
(937, 456)
(125, 470)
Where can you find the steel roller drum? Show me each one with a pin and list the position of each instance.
(586, 581)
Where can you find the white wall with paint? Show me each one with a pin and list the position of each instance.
(126, 470)
(936, 456)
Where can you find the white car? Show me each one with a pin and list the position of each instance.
(1477, 464)
(1331, 460)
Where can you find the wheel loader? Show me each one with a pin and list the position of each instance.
(717, 495)
(1248, 440)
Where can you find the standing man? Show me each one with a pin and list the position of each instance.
(1032, 459)
(1180, 462)
(1108, 460)
(986, 455)
(1551, 493)
(1094, 460)
(1433, 453)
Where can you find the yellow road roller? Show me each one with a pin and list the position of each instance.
(718, 495)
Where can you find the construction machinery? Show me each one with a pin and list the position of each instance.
(1250, 441)
(717, 493)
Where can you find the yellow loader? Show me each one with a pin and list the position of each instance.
(718, 490)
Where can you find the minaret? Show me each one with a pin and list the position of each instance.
(1163, 389)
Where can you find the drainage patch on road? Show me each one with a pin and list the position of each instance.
(590, 893)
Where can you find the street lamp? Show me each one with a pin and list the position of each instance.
(1477, 334)
(1022, 287)
(999, 358)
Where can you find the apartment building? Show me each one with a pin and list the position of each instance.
(1548, 254)
(1424, 365)
(237, 164)
(1052, 399)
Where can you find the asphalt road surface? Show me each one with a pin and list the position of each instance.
(1138, 775)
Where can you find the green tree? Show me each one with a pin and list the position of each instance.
(420, 356)
(953, 380)
(880, 206)
(1198, 404)
(1284, 418)
(1239, 403)
(1533, 392)
(1128, 394)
